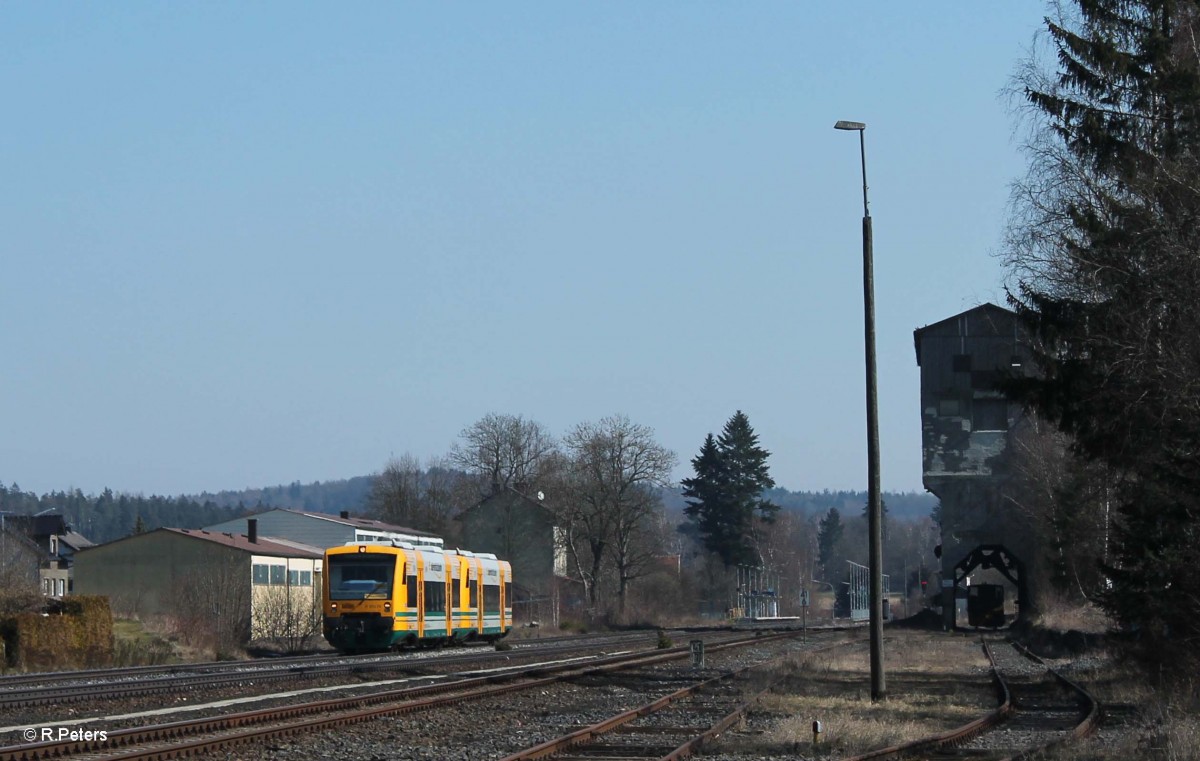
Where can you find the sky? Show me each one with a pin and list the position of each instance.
(246, 244)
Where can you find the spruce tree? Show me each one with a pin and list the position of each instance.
(705, 495)
(1106, 251)
(725, 496)
(829, 533)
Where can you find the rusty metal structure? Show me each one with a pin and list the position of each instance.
(967, 428)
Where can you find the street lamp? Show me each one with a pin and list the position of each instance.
(874, 500)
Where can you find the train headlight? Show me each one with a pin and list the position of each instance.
(333, 606)
(387, 606)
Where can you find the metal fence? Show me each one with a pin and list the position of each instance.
(757, 593)
(860, 591)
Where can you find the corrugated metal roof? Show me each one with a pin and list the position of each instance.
(358, 522)
(76, 540)
(264, 545)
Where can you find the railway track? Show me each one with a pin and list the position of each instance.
(185, 738)
(671, 727)
(59, 688)
(1038, 709)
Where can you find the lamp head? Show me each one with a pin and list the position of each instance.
(853, 126)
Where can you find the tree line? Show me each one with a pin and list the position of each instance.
(619, 518)
(108, 516)
(1103, 254)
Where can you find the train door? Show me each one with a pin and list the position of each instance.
(461, 592)
(406, 601)
(452, 575)
(419, 583)
(433, 587)
(477, 593)
(491, 603)
(505, 596)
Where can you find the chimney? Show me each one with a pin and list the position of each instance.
(252, 530)
(345, 514)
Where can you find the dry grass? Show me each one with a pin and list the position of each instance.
(1144, 722)
(1061, 615)
(135, 644)
(934, 683)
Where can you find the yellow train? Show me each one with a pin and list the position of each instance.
(380, 596)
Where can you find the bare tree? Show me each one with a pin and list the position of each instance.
(406, 495)
(396, 492)
(503, 451)
(1063, 499)
(210, 606)
(617, 466)
(445, 492)
(289, 616)
(19, 558)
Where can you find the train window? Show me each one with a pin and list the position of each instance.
(261, 574)
(491, 596)
(435, 597)
(360, 576)
(456, 596)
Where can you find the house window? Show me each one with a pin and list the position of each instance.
(989, 415)
(300, 578)
(278, 574)
(260, 574)
(62, 587)
(46, 586)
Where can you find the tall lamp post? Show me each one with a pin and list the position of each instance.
(874, 500)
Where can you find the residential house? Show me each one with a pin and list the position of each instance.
(523, 530)
(56, 545)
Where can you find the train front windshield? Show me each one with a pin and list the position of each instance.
(361, 577)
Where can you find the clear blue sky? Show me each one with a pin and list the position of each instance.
(250, 243)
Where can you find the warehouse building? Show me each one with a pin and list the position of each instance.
(323, 530)
(246, 585)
